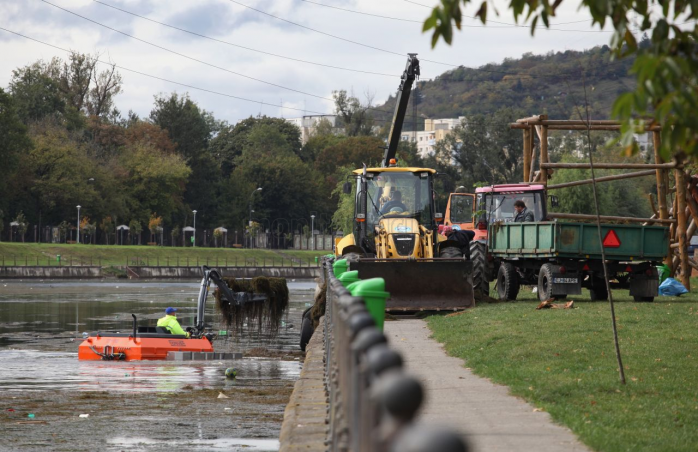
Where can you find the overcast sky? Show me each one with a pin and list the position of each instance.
(300, 86)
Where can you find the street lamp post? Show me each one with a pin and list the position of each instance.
(251, 211)
(312, 229)
(194, 237)
(78, 224)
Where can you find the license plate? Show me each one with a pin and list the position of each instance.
(565, 280)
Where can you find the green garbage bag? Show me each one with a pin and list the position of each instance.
(663, 271)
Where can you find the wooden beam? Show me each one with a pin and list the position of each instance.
(610, 165)
(577, 216)
(529, 119)
(578, 127)
(602, 179)
(526, 153)
(532, 137)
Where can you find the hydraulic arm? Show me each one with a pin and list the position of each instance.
(403, 98)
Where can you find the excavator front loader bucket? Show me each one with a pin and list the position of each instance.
(421, 284)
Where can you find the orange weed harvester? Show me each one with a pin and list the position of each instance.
(153, 343)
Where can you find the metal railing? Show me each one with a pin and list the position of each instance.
(12, 260)
(372, 402)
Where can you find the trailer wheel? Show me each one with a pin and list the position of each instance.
(452, 252)
(598, 290)
(639, 298)
(481, 271)
(507, 282)
(545, 282)
(307, 329)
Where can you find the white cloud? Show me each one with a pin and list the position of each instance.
(228, 21)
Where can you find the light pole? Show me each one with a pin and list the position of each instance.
(78, 224)
(312, 229)
(194, 237)
(251, 211)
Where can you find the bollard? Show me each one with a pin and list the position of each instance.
(374, 294)
(427, 439)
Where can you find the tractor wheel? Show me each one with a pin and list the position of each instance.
(451, 252)
(306, 329)
(598, 290)
(639, 298)
(545, 282)
(507, 282)
(481, 270)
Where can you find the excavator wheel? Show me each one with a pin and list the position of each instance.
(481, 269)
(451, 252)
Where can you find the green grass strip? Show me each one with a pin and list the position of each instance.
(563, 361)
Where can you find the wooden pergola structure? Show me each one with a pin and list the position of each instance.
(683, 205)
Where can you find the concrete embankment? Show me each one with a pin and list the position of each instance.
(95, 272)
(305, 418)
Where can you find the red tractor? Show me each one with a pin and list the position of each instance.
(475, 212)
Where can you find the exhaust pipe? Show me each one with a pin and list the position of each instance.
(135, 326)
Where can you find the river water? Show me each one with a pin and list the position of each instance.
(41, 325)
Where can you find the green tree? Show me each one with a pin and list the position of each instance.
(666, 64)
(35, 93)
(356, 118)
(22, 225)
(13, 142)
(135, 227)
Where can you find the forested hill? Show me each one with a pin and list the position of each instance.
(550, 84)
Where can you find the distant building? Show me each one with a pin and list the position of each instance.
(435, 130)
(307, 124)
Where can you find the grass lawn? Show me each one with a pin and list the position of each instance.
(563, 361)
(116, 255)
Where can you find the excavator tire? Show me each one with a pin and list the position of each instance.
(481, 270)
(451, 252)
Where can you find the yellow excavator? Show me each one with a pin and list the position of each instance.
(395, 229)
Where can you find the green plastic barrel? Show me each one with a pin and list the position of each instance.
(340, 267)
(349, 277)
(374, 294)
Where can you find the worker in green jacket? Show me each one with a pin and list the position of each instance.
(170, 322)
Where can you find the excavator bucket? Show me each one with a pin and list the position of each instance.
(421, 284)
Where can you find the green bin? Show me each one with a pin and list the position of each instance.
(340, 267)
(348, 278)
(374, 294)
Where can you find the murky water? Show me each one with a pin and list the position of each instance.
(41, 325)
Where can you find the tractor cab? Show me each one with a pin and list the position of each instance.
(494, 203)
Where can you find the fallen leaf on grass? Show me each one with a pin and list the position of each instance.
(222, 396)
(454, 314)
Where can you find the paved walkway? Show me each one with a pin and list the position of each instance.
(490, 418)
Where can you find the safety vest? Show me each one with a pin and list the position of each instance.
(172, 325)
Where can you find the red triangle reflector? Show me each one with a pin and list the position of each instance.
(585, 268)
(611, 240)
(628, 269)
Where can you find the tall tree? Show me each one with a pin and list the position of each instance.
(356, 117)
(13, 142)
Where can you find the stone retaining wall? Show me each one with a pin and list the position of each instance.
(94, 272)
(305, 418)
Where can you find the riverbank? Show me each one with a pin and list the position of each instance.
(46, 254)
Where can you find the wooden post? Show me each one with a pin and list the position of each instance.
(526, 153)
(661, 191)
(544, 151)
(681, 227)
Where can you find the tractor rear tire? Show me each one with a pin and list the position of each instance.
(507, 282)
(481, 269)
(451, 252)
(598, 290)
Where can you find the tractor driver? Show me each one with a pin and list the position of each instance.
(395, 202)
(523, 215)
(170, 323)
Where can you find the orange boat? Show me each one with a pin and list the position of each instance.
(153, 343)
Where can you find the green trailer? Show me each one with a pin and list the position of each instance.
(561, 258)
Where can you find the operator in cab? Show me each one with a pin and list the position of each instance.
(170, 323)
(395, 201)
(523, 215)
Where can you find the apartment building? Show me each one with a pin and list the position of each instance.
(434, 131)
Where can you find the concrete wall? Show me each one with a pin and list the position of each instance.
(92, 272)
(52, 272)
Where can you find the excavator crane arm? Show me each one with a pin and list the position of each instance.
(403, 97)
